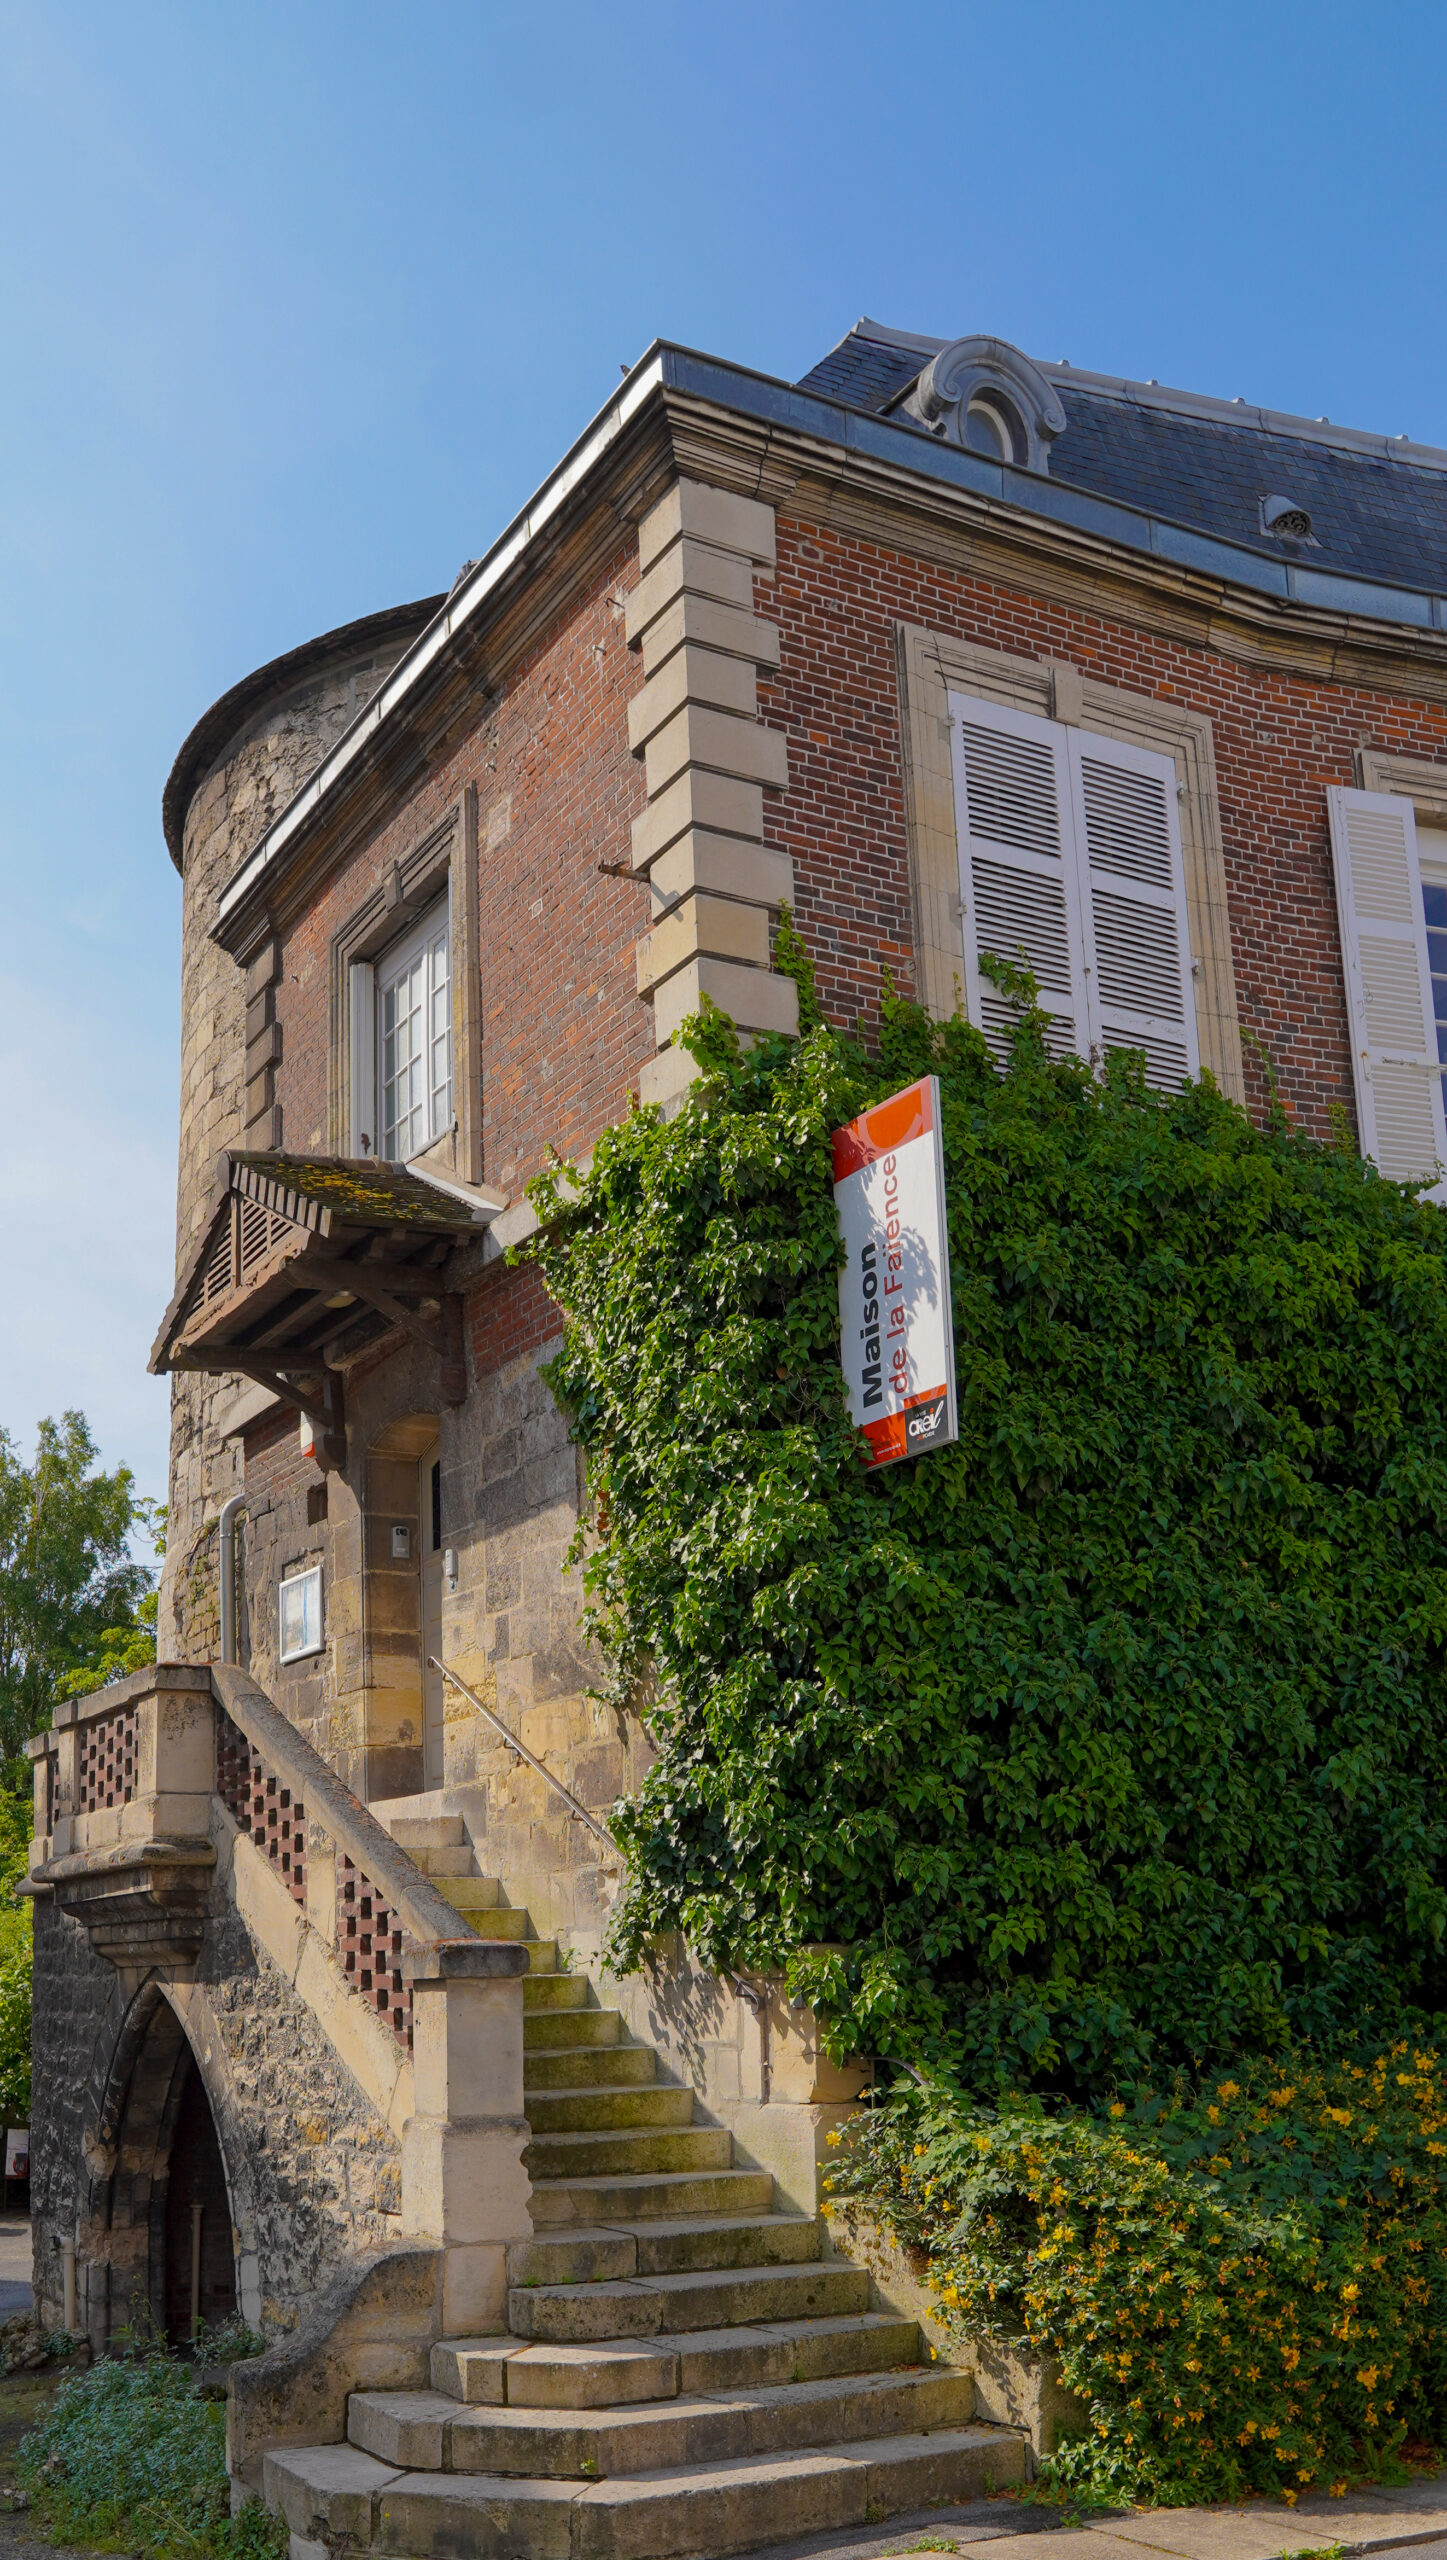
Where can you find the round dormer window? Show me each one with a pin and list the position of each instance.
(990, 429)
(984, 395)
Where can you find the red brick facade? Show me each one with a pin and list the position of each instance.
(1280, 740)
(563, 1030)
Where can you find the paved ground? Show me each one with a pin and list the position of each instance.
(15, 2293)
(1390, 2524)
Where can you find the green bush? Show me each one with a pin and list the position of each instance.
(1113, 1737)
(17, 1800)
(1246, 2283)
(134, 2452)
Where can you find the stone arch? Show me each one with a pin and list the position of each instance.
(159, 2239)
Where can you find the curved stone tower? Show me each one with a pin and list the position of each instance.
(246, 758)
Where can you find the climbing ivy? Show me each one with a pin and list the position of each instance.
(1111, 1738)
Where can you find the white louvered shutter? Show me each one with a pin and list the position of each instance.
(1133, 900)
(1018, 885)
(1389, 986)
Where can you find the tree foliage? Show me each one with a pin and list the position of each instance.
(70, 1589)
(1115, 1735)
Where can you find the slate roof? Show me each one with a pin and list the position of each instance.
(1374, 516)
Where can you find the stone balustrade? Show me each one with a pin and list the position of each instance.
(170, 1793)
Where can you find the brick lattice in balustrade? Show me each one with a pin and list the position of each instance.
(108, 1760)
(261, 1806)
(369, 1943)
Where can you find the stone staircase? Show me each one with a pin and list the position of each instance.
(685, 2370)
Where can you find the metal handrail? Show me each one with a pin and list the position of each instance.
(579, 1812)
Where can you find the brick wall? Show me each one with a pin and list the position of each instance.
(563, 1029)
(1280, 740)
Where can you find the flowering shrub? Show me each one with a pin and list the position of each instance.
(1246, 2281)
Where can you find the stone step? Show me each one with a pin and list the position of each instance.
(449, 1866)
(613, 2373)
(414, 1831)
(335, 2492)
(554, 1990)
(466, 1892)
(619, 2153)
(495, 1920)
(709, 2241)
(607, 2110)
(426, 2431)
(699, 2298)
(611, 2200)
(568, 2030)
(602, 2066)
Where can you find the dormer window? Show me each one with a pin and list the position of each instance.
(985, 395)
(988, 428)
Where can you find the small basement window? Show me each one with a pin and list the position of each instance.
(299, 1614)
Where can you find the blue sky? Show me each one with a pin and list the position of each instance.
(298, 302)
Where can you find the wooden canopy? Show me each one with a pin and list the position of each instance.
(304, 1262)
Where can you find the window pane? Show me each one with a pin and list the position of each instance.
(1434, 903)
(985, 431)
(414, 1044)
(402, 1003)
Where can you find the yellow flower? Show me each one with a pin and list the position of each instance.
(1349, 2292)
(834, 2139)
(1282, 2097)
(1338, 2489)
(1117, 2109)
(1228, 2089)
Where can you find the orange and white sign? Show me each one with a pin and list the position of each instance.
(897, 1338)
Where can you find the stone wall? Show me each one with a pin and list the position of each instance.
(322, 2169)
(256, 774)
(312, 2169)
(74, 1993)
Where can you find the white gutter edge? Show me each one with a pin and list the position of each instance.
(458, 610)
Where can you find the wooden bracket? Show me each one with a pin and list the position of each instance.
(325, 1408)
(441, 1333)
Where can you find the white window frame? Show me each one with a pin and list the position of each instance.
(369, 983)
(1087, 1021)
(309, 1637)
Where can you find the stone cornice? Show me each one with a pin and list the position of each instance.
(681, 415)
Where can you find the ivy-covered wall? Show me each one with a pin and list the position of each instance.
(1111, 1737)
